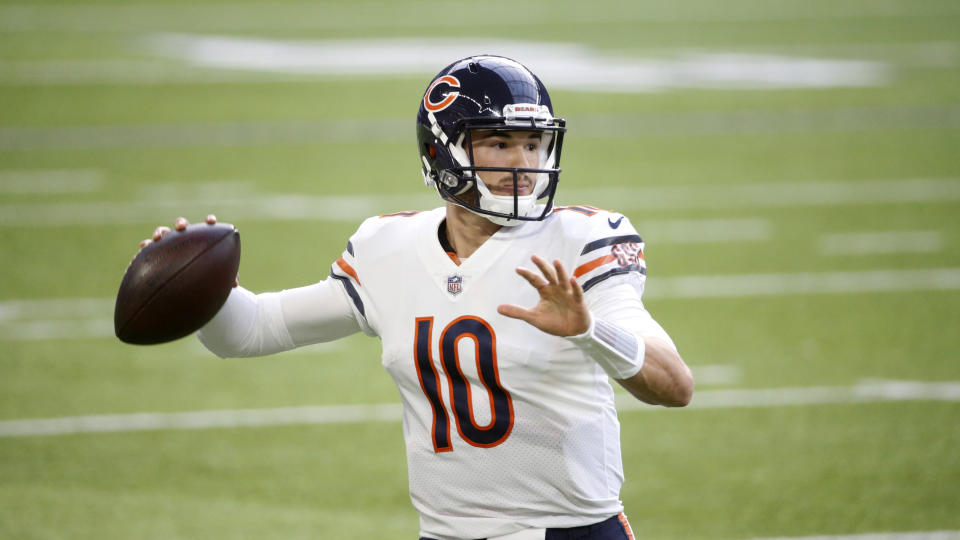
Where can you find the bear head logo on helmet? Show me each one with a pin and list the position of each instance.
(488, 93)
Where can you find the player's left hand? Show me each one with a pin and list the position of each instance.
(562, 310)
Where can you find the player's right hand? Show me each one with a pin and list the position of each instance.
(179, 224)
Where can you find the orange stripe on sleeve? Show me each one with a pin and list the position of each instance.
(348, 269)
(586, 267)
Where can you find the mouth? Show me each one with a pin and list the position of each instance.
(505, 187)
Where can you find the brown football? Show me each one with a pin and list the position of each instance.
(177, 284)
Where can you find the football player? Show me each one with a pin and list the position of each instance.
(502, 318)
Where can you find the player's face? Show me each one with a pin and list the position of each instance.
(507, 149)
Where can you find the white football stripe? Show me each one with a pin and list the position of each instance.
(56, 329)
(50, 181)
(365, 130)
(715, 375)
(940, 54)
(774, 194)
(50, 308)
(906, 535)
(249, 16)
(864, 392)
(881, 242)
(570, 66)
(244, 16)
(233, 205)
(88, 317)
(845, 282)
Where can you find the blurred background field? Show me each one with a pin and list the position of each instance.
(792, 166)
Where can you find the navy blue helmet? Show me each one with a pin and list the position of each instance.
(487, 93)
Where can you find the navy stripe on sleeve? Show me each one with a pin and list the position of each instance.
(352, 292)
(609, 241)
(615, 272)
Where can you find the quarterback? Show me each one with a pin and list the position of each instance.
(502, 318)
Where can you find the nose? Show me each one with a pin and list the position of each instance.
(521, 158)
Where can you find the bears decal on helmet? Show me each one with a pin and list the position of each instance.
(449, 82)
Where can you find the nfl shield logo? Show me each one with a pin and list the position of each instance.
(455, 284)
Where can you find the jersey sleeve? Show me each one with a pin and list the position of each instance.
(612, 252)
(251, 324)
(347, 271)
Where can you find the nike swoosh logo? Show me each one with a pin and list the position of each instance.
(614, 224)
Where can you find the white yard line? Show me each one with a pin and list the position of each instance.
(774, 194)
(234, 205)
(717, 374)
(247, 16)
(55, 308)
(90, 317)
(905, 535)
(571, 66)
(94, 327)
(881, 242)
(598, 126)
(166, 71)
(844, 282)
(864, 392)
(50, 181)
(705, 231)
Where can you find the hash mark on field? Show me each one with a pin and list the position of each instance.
(863, 392)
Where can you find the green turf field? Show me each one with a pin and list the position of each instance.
(792, 165)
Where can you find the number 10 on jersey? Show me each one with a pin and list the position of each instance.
(484, 341)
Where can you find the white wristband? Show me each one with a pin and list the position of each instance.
(618, 352)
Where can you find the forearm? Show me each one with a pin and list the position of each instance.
(634, 349)
(257, 325)
(664, 378)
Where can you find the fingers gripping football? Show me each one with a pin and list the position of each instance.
(180, 224)
(562, 310)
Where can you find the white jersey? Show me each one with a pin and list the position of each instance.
(506, 427)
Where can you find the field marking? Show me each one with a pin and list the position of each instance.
(570, 66)
(863, 392)
(935, 54)
(598, 126)
(49, 181)
(42, 330)
(244, 205)
(717, 374)
(766, 122)
(906, 535)
(776, 194)
(65, 318)
(705, 231)
(247, 16)
(881, 242)
(781, 284)
(54, 308)
(231, 134)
